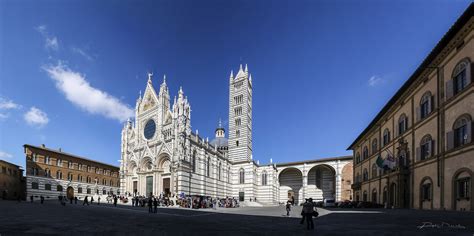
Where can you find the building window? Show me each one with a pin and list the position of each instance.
(219, 171)
(69, 176)
(365, 153)
(237, 143)
(357, 158)
(425, 105)
(375, 147)
(238, 111)
(34, 185)
(365, 175)
(238, 122)
(264, 178)
(88, 179)
(459, 76)
(34, 157)
(402, 124)
(35, 171)
(426, 192)
(59, 175)
(241, 176)
(47, 173)
(194, 162)
(462, 186)
(111, 183)
(426, 147)
(386, 137)
(59, 162)
(47, 187)
(462, 131)
(237, 133)
(47, 160)
(70, 165)
(374, 170)
(79, 190)
(88, 191)
(59, 188)
(104, 192)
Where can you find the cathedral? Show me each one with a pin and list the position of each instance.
(160, 154)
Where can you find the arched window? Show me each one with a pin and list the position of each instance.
(426, 147)
(365, 153)
(365, 175)
(374, 170)
(59, 174)
(462, 131)
(426, 189)
(47, 172)
(357, 158)
(104, 192)
(34, 185)
(364, 196)
(69, 176)
(88, 179)
(386, 137)
(194, 162)
(425, 105)
(358, 178)
(59, 188)
(47, 187)
(79, 189)
(375, 146)
(460, 76)
(88, 191)
(241, 176)
(219, 171)
(402, 124)
(264, 178)
(462, 185)
(384, 194)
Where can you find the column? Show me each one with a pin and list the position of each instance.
(338, 185)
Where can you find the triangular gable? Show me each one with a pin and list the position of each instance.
(150, 99)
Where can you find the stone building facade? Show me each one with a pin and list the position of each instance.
(11, 181)
(161, 155)
(418, 152)
(51, 173)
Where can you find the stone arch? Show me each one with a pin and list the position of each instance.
(321, 182)
(132, 167)
(457, 201)
(291, 184)
(146, 164)
(164, 163)
(429, 203)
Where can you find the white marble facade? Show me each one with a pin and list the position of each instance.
(160, 153)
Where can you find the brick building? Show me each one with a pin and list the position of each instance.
(11, 181)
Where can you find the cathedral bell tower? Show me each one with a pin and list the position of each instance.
(240, 115)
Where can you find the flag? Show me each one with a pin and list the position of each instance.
(379, 162)
(390, 162)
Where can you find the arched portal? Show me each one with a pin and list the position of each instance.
(70, 192)
(321, 183)
(291, 182)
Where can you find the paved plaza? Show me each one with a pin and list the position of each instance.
(52, 218)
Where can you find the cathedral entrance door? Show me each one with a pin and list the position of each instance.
(135, 187)
(70, 193)
(241, 196)
(166, 186)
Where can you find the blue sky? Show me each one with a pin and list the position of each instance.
(70, 71)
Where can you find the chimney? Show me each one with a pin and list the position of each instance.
(43, 146)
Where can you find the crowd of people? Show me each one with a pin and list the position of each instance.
(195, 202)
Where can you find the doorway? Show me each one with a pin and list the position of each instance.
(241, 196)
(166, 186)
(135, 187)
(70, 193)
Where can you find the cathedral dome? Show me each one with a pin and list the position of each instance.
(220, 141)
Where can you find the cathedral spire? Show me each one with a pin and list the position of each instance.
(246, 68)
(164, 79)
(240, 69)
(231, 73)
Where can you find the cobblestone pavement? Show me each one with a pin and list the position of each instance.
(52, 218)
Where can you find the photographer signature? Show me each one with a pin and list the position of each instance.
(439, 226)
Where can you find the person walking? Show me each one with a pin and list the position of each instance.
(115, 201)
(31, 198)
(92, 199)
(150, 205)
(70, 200)
(86, 201)
(155, 204)
(98, 201)
(288, 208)
(75, 200)
(308, 210)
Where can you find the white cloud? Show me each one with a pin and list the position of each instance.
(78, 91)
(36, 117)
(83, 53)
(8, 104)
(4, 116)
(4, 155)
(51, 41)
(375, 80)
